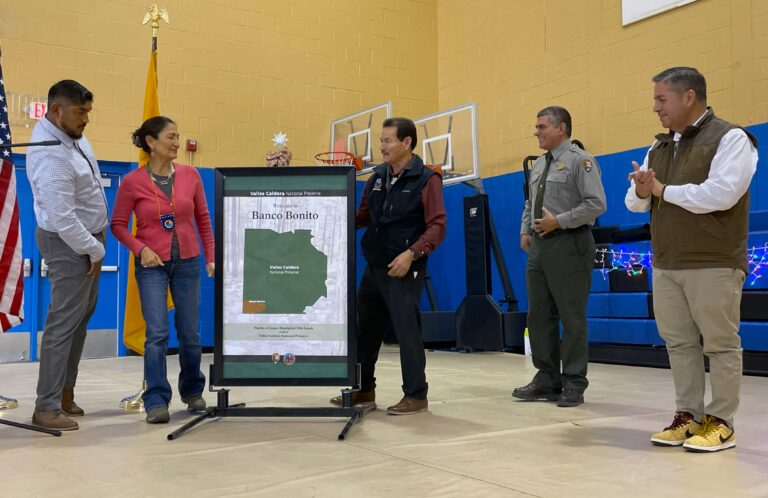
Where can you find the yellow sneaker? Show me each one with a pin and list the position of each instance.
(682, 428)
(714, 435)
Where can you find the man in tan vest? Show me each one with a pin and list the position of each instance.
(695, 181)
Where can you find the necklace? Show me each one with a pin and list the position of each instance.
(161, 180)
(168, 220)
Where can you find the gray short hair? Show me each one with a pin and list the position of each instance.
(681, 79)
(557, 115)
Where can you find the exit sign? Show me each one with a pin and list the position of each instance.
(37, 110)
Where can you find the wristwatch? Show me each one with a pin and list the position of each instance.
(416, 254)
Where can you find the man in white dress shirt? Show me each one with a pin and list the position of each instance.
(695, 181)
(71, 212)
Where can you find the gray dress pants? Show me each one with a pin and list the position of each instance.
(73, 300)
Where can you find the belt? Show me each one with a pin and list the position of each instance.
(97, 234)
(567, 231)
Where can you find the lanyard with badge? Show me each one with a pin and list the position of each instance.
(168, 220)
(97, 180)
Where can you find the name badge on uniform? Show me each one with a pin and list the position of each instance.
(377, 185)
(168, 221)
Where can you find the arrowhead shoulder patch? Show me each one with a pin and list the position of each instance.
(587, 164)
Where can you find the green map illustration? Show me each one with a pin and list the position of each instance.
(283, 273)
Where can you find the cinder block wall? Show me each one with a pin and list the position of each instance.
(232, 73)
(515, 57)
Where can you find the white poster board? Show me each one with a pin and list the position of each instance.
(636, 10)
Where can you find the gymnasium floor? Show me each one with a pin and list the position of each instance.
(476, 441)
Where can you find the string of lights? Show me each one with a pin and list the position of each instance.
(758, 259)
(634, 263)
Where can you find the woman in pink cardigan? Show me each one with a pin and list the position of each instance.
(167, 200)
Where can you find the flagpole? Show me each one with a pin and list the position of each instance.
(153, 16)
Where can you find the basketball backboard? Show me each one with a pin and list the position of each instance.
(448, 139)
(359, 134)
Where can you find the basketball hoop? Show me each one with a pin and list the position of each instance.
(437, 168)
(339, 159)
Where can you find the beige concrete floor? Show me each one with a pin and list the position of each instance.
(476, 441)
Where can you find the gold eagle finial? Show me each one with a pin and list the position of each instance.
(154, 15)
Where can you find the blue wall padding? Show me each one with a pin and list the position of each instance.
(758, 220)
(600, 282)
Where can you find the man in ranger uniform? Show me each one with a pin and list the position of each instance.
(566, 195)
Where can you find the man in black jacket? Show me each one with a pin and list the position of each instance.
(402, 208)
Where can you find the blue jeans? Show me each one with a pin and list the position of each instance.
(183, 278)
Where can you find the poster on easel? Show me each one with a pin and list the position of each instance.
(285, 303)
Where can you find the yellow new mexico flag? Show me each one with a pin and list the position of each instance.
(134, 326)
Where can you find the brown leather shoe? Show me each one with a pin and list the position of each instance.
(55, 420)
(408, 406)
(68, 404)
(359, 398)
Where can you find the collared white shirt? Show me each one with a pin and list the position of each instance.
(66, 183)
(730, 174)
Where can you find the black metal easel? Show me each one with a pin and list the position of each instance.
(8, 422)
(224, 409)
(31, 427)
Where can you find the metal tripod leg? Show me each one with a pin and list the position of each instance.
(209, 412)
(31, 428)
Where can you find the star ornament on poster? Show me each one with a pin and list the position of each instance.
(280, 140)
(282, 156)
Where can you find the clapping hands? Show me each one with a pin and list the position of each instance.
(645, 182)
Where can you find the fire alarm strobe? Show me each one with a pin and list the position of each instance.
(191, 145)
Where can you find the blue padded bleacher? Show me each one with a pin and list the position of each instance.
(624, 331)
(754, 336)
(619, 305)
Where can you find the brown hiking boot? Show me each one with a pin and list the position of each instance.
(68, 404)
(408, 406)
(55, 420)
(359, 398)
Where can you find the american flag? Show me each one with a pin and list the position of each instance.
(11, 274)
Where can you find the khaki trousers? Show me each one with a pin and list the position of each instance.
(691, 305)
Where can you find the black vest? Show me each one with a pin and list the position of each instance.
(396, 218)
